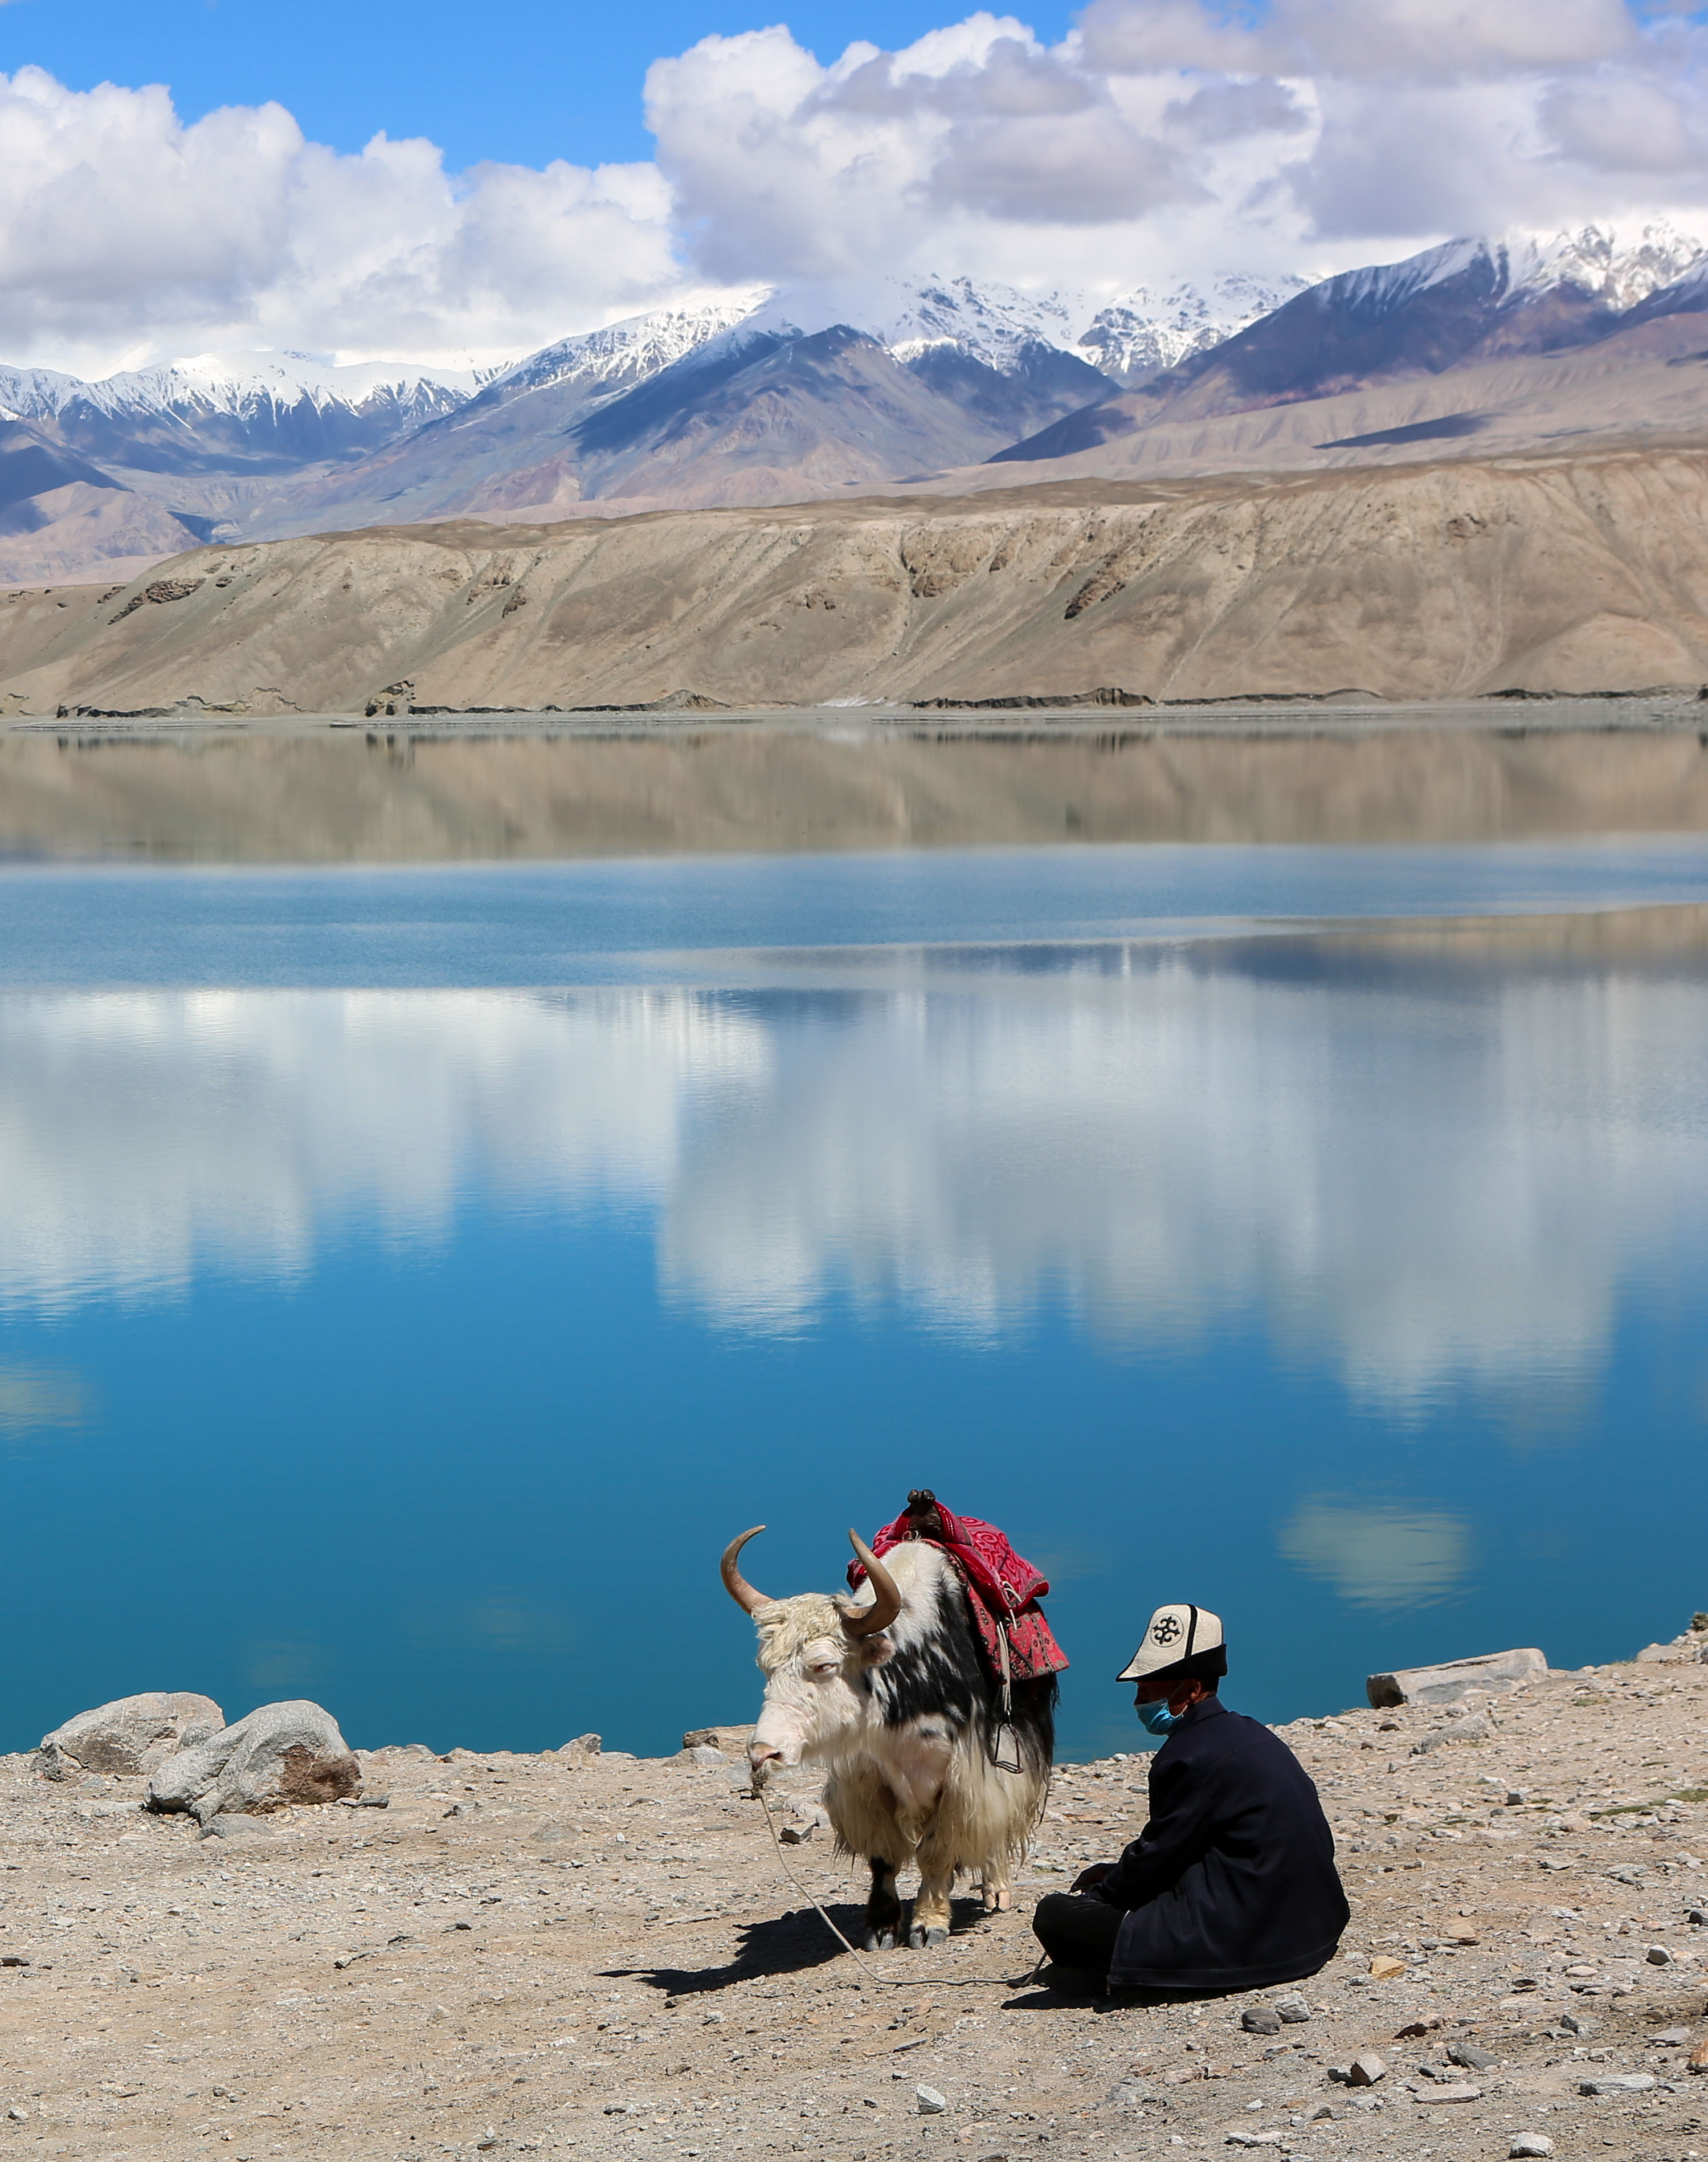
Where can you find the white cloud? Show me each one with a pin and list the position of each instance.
(129, 236)
(1161, 138)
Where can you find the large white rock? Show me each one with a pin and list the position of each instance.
(279, 1756)
(1447, 1683)
(131, 1736)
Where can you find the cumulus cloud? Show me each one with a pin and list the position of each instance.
(129, 234)
(1159, 139)
(1168, 137)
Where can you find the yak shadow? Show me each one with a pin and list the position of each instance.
(785, 1944)
(794, 1944)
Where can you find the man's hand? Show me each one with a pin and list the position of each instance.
(1095, 1875)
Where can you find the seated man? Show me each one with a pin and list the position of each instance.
(1231, 1885)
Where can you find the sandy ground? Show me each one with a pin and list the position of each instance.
(563, 1955)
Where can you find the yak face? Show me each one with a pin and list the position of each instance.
(816, 1653)
(817, 1692)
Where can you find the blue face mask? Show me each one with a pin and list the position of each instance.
(1157, 1718)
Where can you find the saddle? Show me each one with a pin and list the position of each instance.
(1002, 1587)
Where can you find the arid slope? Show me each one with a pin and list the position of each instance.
(1548, 575)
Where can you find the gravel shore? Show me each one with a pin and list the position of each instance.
(574, 1954)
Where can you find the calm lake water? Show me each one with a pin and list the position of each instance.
(410, 1279)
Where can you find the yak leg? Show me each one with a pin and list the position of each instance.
(883, 1909)
(999, 1892)
(931, 1902)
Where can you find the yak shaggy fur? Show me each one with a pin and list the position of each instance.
(904, 1722)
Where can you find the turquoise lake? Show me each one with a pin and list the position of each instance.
(410, 1278)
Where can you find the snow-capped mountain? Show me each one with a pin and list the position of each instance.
(1617, 271)
(1150, 330)
(234, 415)
(1470, 301)
(239, 384)
(625, 353)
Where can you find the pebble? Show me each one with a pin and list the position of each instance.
(1468, 2055)
(933, 2104)
(1659, 1956)
(1366, 2070)
(1618, 2083)
(1293, 2008)
(1260, 2019)
(1530, 2143)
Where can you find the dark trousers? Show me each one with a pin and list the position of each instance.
(1078, 1930)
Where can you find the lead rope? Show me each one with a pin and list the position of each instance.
(883, 1981)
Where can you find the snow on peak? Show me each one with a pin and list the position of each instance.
(1151, 330)
(1603, 263)
(1383, 287)
(237, 383)
(628, 353)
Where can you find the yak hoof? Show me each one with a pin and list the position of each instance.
(924, 1939)
(880, 1940)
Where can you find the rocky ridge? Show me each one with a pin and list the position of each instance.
(580, 1953)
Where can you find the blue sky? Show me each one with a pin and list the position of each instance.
(526, 83)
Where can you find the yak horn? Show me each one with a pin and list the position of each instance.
(886, 1600)
(734, 1582)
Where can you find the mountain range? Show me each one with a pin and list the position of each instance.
(939, 386)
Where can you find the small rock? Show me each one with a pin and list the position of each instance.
(1365, 2071)
(731, 1740)
(1293, 2008)
(1698, 1916)
(18, 2116)
(1469, 2055)
(1457, 2091)
(1530, 2147)
(584, 1745)
(1618, 2083)
(1474, 1727)
(796, 1834)
(1579, 2022)
(1131, 2092)
(1242, 2137)
(1626, 1872)
(1260, 2019)
(1385, 1967)
(932, 2104)
(1659, 1956)
(1671, 2037)
(1697, 2059)
(705, 1752)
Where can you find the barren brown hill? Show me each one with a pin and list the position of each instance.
(1557, 574)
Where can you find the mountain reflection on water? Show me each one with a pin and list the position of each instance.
(814, 781)
(365, 1343)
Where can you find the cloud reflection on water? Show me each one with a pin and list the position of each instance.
(1431, 1174)
(1383, 1555)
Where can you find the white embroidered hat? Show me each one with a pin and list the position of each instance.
(1173, 1634)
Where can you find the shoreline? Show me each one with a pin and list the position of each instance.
(1335, 715)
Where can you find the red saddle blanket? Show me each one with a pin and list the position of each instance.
(1003, 1589)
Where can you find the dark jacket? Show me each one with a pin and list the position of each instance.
(1231, 1885)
